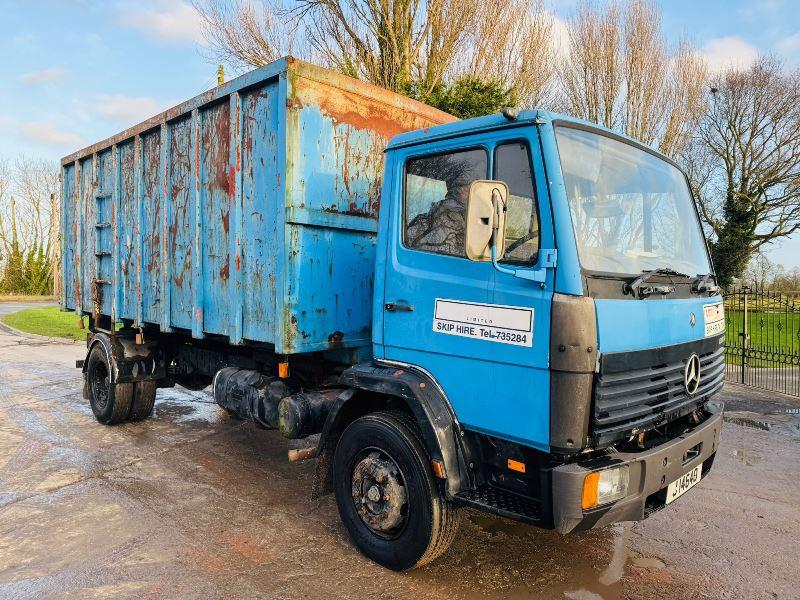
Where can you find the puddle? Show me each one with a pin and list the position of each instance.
(187, 412)
(748, 422)
(748, 457)
(494, 526)
(648, 562)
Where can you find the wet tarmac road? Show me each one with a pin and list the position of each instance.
(194, 504)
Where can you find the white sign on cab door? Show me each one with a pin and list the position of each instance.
(489, 322)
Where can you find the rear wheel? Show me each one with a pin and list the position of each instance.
(386, 493)
(144, 398)
(110, 402)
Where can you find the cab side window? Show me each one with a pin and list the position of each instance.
(512, 164)
(435, 202)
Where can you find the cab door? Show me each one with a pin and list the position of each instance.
(482, 334)
(426, 264)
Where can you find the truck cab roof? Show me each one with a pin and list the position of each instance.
(498, 121)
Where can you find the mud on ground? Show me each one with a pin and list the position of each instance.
(192, 503)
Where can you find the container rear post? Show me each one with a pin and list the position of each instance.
(235, 204)
(79, 239)
(62, 241)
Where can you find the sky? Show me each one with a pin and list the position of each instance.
(78, 71)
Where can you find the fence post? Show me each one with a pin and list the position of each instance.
(744, 335)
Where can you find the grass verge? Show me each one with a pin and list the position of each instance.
(46, 320)
(18, 298)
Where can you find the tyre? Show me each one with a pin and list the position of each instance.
(111, 403)
(387, 496)
(144, 397)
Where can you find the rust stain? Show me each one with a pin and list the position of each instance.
(226, 220)
(225, 271)
(232, 180)
(336, 340)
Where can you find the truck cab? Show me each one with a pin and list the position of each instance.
(579, 347)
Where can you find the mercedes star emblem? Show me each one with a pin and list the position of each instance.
(692, 319)
(691, 375)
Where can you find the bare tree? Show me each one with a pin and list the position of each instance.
(386, 42)
(510, 41)
(592, 71)
(619, 72)
(749, 191)
(686, 99)
(245, 33)
(389, 42)
(760, 271)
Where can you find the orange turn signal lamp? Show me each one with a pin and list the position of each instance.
(283, 369)
(515, 465)
(590, 484)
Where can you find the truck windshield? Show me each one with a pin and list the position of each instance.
(631, 211)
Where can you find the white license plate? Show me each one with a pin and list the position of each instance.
(680, 486)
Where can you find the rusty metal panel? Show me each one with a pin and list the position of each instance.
(152, 258)
(181, 223)
(88, 213)
(128, 233)
(260, 209)
(337, 130)
(249, 211)
(104, 236)
(216, 208)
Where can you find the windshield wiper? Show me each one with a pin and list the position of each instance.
(706, 284)
(637, 285)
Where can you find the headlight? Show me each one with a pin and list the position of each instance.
(602, 487)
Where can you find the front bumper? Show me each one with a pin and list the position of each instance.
(651, 471)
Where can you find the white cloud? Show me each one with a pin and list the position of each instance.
(789, 47)
(126, 108)
(731, 51)
(169, 20)
(49, 133)
(42, 76)
(761, 8)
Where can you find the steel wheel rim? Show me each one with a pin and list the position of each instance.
(378, 490)
(99, 382)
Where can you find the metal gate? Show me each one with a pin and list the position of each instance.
(762, 340)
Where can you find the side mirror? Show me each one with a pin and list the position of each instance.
(486, 219)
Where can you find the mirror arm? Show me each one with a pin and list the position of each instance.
(538, 275)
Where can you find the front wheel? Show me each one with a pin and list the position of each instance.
(386, 493)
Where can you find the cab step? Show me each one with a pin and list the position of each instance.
(503, 503)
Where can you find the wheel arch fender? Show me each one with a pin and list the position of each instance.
(368, 388)
(128, 362)
(104, 341)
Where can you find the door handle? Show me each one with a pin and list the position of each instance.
(392, 307)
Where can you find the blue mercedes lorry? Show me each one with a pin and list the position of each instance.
(515, 313)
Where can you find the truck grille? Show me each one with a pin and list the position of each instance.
(639, 390)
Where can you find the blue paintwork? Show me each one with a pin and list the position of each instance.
(499, 389)
(639, 324)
